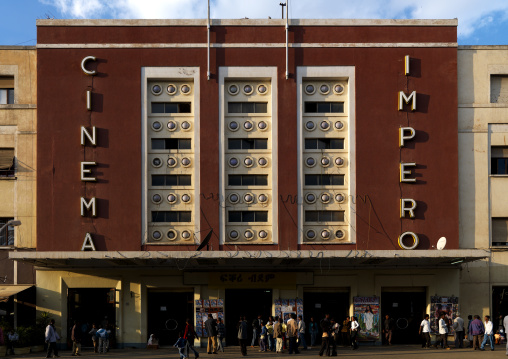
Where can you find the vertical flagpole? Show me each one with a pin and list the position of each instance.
(208, 47)
(287, 46)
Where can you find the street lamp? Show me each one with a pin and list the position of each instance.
(12, 222)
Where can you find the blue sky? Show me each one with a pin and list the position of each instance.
(480, 23)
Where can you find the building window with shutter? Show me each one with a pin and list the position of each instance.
(7, 234)
(6, 90)
(499, 160)
(6, 162)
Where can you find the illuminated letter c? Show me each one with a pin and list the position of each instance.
(83, 63)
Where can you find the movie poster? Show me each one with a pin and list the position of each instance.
(367, 313)
(449, 306)
(215, 307)
(286, 307)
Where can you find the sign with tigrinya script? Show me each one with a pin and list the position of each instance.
(252, 280)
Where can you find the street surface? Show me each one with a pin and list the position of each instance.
(396, 352)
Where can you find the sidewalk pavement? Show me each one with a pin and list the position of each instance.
(396, 351)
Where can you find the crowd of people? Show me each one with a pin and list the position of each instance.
(277, 334)
(477, 333)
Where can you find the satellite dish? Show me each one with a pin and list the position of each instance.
(205, 241)
(441, 243)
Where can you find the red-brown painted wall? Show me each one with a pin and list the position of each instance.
(117, 115)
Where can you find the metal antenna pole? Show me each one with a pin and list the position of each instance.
(282, 4)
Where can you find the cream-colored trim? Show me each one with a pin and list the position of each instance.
(328, 73)
(350, 254)
(246, 45)
(249, 22)
(245, 73)
(149, 73)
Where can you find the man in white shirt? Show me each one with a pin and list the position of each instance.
(505, 325)
(458, 327)
(354, 332)
(425, 332)
(443, 332)
(301, 332)
(489, 334)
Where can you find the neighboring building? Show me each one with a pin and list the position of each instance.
(18, 129)
(483, 173)
(314, 162)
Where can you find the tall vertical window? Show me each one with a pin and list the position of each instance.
(6, 162)
(6, 90)
(499, 88)
(499, 160)
(7, 234)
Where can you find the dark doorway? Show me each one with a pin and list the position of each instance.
(317, 304)
(89, 306)
(407, 309)
(499, 306)
(167, 312)
(248, 302)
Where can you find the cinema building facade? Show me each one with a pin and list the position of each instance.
(320, 158)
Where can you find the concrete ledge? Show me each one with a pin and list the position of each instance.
(253, 259)
(249, 22)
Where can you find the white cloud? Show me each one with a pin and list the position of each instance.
(471, 13)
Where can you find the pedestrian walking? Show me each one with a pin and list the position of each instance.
(345, 332)
(189, 335)
(443, 332)
(12, 341)
(325, 339)
(256, 326)
(477, 330)
(221, 333)
(180, 344)
(211, 331)
(103, 336)
(388, 328)
(93, 333)
(354, 333)
(269, 335)
(292, 331)
(76, 337)
(425, 332)
(51, 338)
(314, 331)
(262, 338)
(277, 334)
(242, 335)
(505, 325)
(469, 335)
(301, 332)
(332, 339)
(489, 334)
(458, 329)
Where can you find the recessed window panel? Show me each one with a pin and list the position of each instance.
(499, 160)
(171, 107)
(247, 107)
(171, 144)
(171, 180)
(171, 216)
(247, 144)
(247, 216)
(324, 143)
(324, 107)
(248, 180)
(324, 216)
(324, 180)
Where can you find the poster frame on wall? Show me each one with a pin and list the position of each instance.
(367, 312)
(215, 307)
(449, 305)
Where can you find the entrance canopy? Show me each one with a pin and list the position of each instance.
(7, 291)
(294, 260)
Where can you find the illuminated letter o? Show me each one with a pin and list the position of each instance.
(416, 241)
(83, 63)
